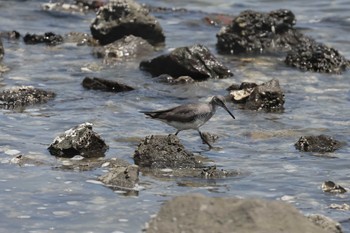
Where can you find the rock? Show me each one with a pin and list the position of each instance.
(203, 175)
(320, 143)
(195, 61)
(121, 177)
(331, 187)
(128, 47)
(19, 97)
(49, 38)
(80, 140)
(180, 80)
(105, 85)
(158, 151)
(343, 206)
(196, 213)
(316, 57)
(258, 32)
(266, 96)
(326, 223)
(80, 39)
(79, 163)
(10, 35)
(2, 51)
(120, 18)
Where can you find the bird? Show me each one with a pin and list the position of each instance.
(190, 116)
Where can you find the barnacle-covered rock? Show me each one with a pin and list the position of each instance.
(80, 140)
(19, 97)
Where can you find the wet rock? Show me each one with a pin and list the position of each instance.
(79, 163)
(320, 143)
(195, 61)
(105, 85)
(120, 18)
(19, 97)
(49, 38)
(325, 223)
(203, 175)
(80, 140)
(267, 96)
(258, 32)
(180, 80)
(10, 35)
(2, 51)
(80, 39)
(316, 57)
(343, 206)
(121, 177)
(22, 160)
(197, 213)
(158, 151)
(331, 187)
(128, 47)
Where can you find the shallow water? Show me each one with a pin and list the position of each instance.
(258, 145)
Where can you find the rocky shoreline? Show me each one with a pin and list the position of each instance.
(125, 30)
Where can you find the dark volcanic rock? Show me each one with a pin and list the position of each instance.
(195, 61)
(23, 96)
(121, 177)
(180, 80)
(120, 18)
(316, 57)
(267, 96)
(128, 47)
(196, 213)
(48, 38)
(105, 85)
(320, 143)
(80, 140)
(253, 31)
(331, 187)
(158, 151)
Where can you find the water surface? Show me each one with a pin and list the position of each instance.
(258, 145)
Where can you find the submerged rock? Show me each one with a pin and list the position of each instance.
(19, 97)
(316, 57)
(120, 18)
(158, 151)
(266, 96)
(195, 61)
(80, 140)
(128, 47)
(180, 80)
(105, 85)
(49, 38)
(320, 143)
(331, 187)
(80, 39)
(121, 177)
(197, 213)
(253, 31)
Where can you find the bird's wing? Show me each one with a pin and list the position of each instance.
(183, 113)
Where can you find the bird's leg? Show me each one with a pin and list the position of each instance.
(205, 140)
(177, 131)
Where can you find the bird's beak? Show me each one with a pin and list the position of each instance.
(229, 112)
